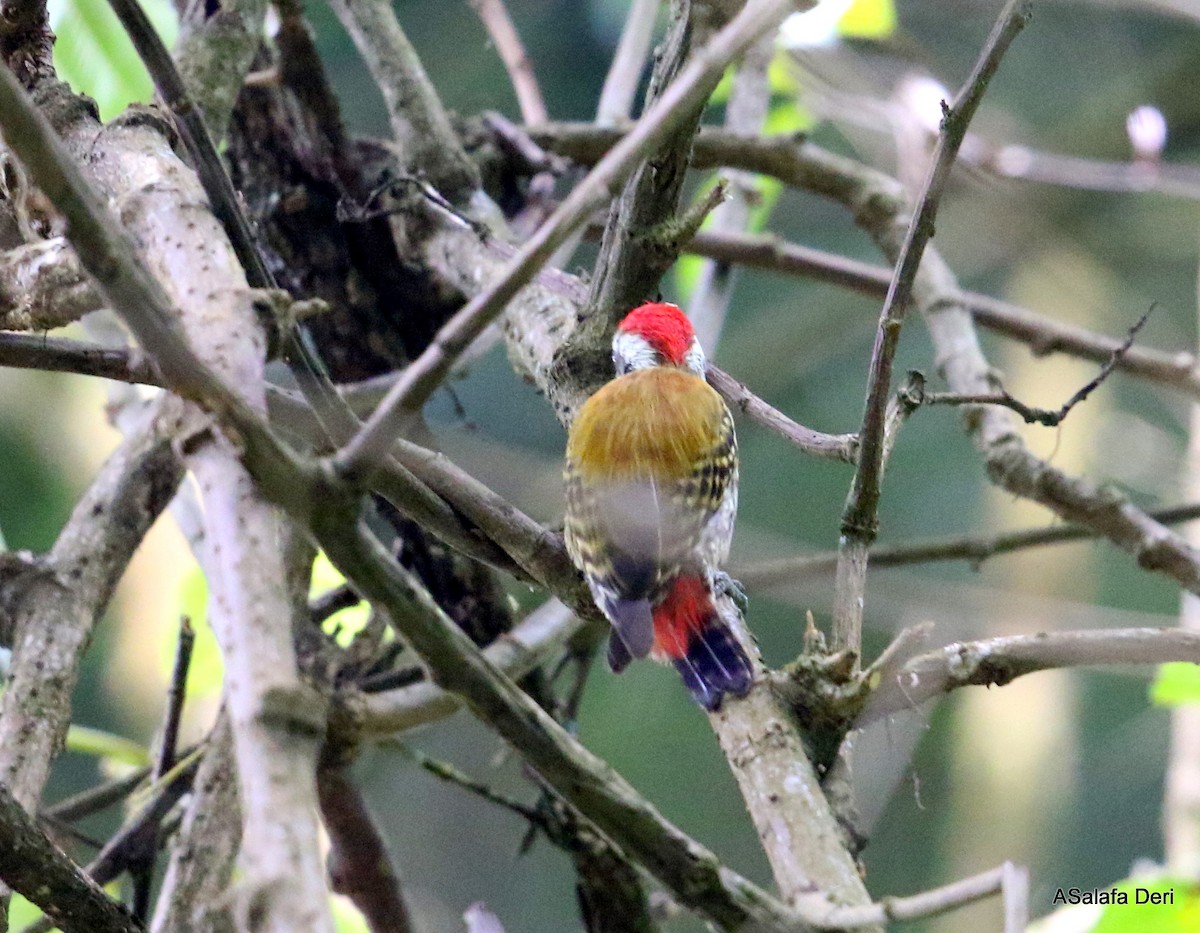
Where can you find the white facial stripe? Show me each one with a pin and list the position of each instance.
(632, 351)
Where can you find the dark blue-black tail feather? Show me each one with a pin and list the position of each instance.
(715, 666)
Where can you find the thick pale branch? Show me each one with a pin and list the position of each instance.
(43, 287)
(999, 661)
(162, 206)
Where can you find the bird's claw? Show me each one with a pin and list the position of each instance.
(726, 585)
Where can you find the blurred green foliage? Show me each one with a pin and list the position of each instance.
(95, 57)
(1176, 684)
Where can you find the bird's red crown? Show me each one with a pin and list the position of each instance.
(664, 326)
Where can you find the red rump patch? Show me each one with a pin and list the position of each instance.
(664, 326)
(685, 612)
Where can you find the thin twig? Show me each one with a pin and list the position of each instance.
(362, 455)
(64, 355)
(444, 771)
(744, 113)
(94, 799)
(843, 447)
(176, 695)
(1043, 335)
(913, 907)
(859, 519)
(972, 548)
(1044, 416)
(625, 72)
(505, 37)
(141, 863)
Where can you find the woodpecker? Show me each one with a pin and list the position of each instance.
(651, 479)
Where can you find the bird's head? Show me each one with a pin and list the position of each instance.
(656, 334)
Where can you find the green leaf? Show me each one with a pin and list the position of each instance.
(346, 918)
(769, 190)
(724, 88)
(687, 268)
(89, 741)
(344, 625)
(21, 913)
(95, 57)
(1176, 683)
(786, 118)
(206, 673)
(868, 19)
(781, 77)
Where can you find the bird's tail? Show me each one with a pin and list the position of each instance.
(690, 633)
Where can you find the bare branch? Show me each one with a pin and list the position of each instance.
(859, 519)
(419, 122)
(359, 864)
(625, 72)
(972, 548)
(1177, 371)
(499, 25)
(744, 113)
(1043, 416)
(915, 906)
(43, 287)
(62, 355)
(34, 866)
(427, 372)
(999, 661)
(843, 447)
(194, 891)
(61, 597)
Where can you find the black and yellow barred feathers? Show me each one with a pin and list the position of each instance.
(643, 486)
